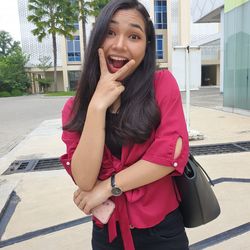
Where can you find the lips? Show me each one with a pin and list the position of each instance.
(117, 62)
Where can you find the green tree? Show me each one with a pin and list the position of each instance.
(53, 17)
(89, 8)
(97, 6)
(12, 71)
(84, 12)
(7, 45)
(44, 65)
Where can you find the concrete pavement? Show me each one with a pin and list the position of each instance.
(41, 213)
(21, 115)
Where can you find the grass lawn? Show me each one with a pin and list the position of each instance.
(61, 93)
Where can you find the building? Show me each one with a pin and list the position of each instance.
(158, 12)
(69, 53)
(173, 20)
(206, 33)
(208, 15)
(233, 42)
(173, 27)
(237, 55)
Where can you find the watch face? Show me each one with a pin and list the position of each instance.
(116, 191)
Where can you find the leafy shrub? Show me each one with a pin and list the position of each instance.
(5, 94)
(45, 84)
(16, 92)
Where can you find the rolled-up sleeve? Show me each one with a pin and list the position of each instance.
(171, 127)
(70, 139)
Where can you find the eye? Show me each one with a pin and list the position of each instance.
(134, 37)
(111, 33)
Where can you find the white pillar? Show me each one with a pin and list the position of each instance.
(64, 63)
(184, 22)
(187, 80)
(222, 51)
(169, 34)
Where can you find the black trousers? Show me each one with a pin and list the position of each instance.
(169, 234)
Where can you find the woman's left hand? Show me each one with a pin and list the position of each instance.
(87, 200)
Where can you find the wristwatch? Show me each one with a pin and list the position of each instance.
(116, 191)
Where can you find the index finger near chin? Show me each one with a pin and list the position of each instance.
(102, 61)
(121, 72)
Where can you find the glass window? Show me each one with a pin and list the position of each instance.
(76, 25)
(160, 8)
(73, 48)
(237, 58)
(159, 46)
(77, 46)
(158, 18)
(70, 45)
(73, 79)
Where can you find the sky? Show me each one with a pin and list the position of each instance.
(9, 19)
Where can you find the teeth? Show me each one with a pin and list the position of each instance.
(118, 58)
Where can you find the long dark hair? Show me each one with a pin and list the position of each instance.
(138, 114)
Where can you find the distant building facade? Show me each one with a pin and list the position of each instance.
(237, 55)
(206, 33)
(70, 52)
(230, 49)
(173, 26)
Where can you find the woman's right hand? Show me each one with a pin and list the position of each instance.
(108, 88)
(87, 200)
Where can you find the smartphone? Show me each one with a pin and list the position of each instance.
(104, 211)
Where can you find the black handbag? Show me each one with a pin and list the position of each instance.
(198, 204)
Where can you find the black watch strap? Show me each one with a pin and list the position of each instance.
(116, 191)
(113, 180)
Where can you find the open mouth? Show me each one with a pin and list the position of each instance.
(117, 62)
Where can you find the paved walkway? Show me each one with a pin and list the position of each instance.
(41, 214)
(21, 114)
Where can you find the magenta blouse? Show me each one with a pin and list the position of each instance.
(148, 205)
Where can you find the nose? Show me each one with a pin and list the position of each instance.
(120, 43)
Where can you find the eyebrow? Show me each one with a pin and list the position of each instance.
(134, 25)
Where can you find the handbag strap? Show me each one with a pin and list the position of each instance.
(198, 164)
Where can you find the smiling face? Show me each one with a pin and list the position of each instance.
(125, 40)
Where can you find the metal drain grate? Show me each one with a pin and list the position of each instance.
(220, 148)
(21, 166)
(48, 164)
(54, 163)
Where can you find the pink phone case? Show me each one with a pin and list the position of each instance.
(104, 211)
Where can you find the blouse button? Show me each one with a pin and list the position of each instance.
(175, 164)
(67, 163)
(131, 227)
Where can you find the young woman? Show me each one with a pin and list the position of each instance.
(126, 135)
